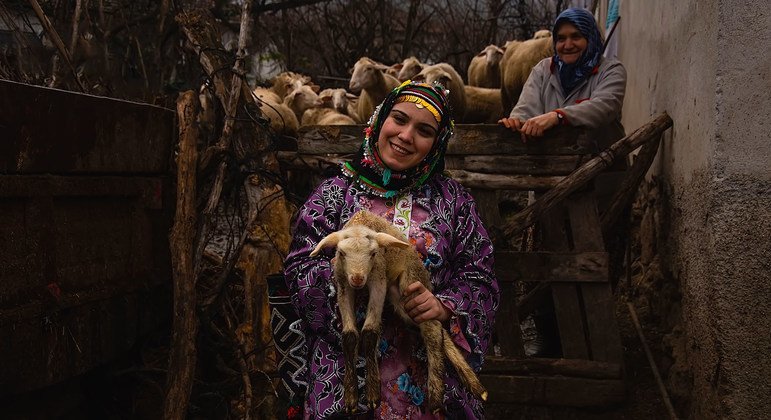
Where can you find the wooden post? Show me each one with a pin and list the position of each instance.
(183, 350)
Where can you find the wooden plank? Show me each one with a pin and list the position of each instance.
(473, 139)
(559, 391)
(543, 366)
(54, 131)
(570, 320)
(504, 165)
(516, 164)
(507, 324)
(566, 306)
(598, 302)
(504, 182)
(479, 181)
(544, 266)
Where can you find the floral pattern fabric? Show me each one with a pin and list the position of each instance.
(446, 229)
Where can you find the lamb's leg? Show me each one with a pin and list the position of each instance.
(345, 301)
(431, 332)
(370, 336)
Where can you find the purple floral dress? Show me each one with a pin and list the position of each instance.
(446, 229)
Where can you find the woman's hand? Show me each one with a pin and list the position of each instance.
(535, 127)
(421, 305)
(513, 124)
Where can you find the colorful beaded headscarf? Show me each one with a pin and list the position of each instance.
(368, 169)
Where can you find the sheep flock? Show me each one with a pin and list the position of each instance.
(492, 85)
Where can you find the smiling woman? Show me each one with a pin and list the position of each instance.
(397, 174)
(577, 86)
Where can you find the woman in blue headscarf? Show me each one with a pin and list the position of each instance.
(577, 86)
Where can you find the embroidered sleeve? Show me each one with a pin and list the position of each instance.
(308, 278)
(469, 282)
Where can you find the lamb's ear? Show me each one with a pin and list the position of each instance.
(386, 240)
(329, 241)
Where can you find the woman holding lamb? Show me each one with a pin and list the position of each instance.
(576, 87)
(397, 174)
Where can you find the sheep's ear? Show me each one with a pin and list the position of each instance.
(329, 241)
(386, 240)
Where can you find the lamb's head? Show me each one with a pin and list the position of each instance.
(358, 249)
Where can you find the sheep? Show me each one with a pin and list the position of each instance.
(282, 118)
(266, 94)
(300, 99)
(483, 105)
(368, 77)
(542, 33)
(470, 104)
(372, 253)
(517, 62)
(484, 69)
(284, 83)
(448, 77)
(410, 67)
(333, 110)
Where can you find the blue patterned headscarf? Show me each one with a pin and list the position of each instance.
(572, 74)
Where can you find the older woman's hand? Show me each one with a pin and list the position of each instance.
(513, 124)
(536, 126)
(421, 305)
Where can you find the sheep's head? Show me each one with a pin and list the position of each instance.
(410, 68)
(358, 247)
(493, 55)
(365, 74)
(542, 33)
(302, 98)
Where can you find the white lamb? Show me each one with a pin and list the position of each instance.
(370, 255)
(368, 77)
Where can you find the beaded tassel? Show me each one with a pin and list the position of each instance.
(386, 176)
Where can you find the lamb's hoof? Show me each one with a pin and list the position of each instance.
(351, 406)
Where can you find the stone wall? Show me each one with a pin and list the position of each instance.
(708, 65)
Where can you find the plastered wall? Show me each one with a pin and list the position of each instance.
(708, 64)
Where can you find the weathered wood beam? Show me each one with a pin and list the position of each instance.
(182, 357)
(504, 182)
(512, 266)
(553, 390)
(650, 131)
(628, 189)
(472, 139)
(544, 366)
(484, 164)
(517, 164)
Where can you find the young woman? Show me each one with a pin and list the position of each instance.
(398, 175)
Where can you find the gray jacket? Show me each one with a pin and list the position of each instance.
(594, 104)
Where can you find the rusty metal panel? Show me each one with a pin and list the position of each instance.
(45, 130)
